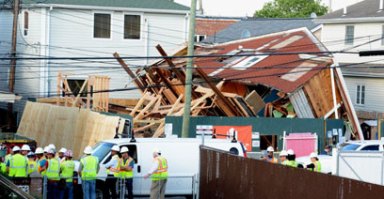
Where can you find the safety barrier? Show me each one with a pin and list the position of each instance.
(42, 188)
(223, 175)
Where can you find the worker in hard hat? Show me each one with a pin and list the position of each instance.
(315, 163)
(291, 158)
(61, 154)
(25, 149)
(89, 167)
(125, 167)
(32, 165)
(7, 158)
(53, 175)
(112, 172)
(270, 157)
(283, 157)
(17, 166)
(159, 175)
(67, 167)
(41, 160)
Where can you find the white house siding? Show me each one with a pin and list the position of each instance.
(5, 46)
(72, 35)
(333, 36)
(374, 93)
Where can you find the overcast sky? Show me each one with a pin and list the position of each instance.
(235, 8)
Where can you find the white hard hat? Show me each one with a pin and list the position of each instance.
(313, 155)
(290, 152)
(63, 150)
(52, 146)
(115, 148)
(156, 150)
(283, 153)
(124, 149)
(270, 149)
(39, 150)
(25, 147)
(51, 151)
(68, 153)
(88, 150)
(46, 149)
(30, 154)
(16, 148)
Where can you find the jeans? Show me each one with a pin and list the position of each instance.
(89, 189)
(110, 188)
(69, 190)
(129, 187)
(52, 190)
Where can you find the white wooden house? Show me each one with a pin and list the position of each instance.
(84, 28)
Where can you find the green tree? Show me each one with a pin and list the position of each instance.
(291, 9)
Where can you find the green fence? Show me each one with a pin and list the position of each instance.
(265, 126)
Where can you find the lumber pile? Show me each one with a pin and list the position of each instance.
(68, 127)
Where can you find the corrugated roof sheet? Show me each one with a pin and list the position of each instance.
(283, 72)
(146, 4)
(259, 26)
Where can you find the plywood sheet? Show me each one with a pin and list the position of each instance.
(68, 127)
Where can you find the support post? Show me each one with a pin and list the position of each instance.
(188, 79)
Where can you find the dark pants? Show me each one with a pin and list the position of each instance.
(110, 188)
(52, 189)
(129, 187)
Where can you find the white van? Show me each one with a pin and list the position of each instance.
(182, 155)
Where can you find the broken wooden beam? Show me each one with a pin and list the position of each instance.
(130, 73)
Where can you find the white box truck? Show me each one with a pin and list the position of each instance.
(182, 155)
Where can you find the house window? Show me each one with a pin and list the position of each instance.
(360, 94)
(102, 26)
(26, 23)
(199, 38)
(132, 26)
(349, 35)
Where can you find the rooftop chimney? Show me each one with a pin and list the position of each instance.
(381, 5)
(345, 10)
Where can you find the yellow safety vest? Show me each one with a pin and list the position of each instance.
(18, 166)
(67, 169)
(53, 169)
(89, 170)
(3, 168)
(317, 167)
(32, 166)
(162, 170)
(115, 170)
(292, 163)
(125, 174)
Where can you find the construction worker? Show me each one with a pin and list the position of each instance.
(113, 173)
(270, 157)
(53, 175)
(61, 154)
(315, 163)
(159, 175)
(41, 161)
(3, 166)
(125, 167)
(25, 149)
(67, 167)
(17, 164)
(89, 167)
(283, 157)
(32, 165)
(291, 158)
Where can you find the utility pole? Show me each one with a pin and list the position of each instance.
(12, 71)
(188, 71)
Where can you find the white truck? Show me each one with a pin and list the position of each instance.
(182, 155)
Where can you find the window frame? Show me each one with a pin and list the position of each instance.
(360, 94)
(111, 25)
(347, 39)
(143, 27)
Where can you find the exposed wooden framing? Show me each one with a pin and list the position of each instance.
(223, 102)
(78, 95)
(130, 73)
(178, 74)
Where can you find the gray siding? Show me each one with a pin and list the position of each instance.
(374, 93)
